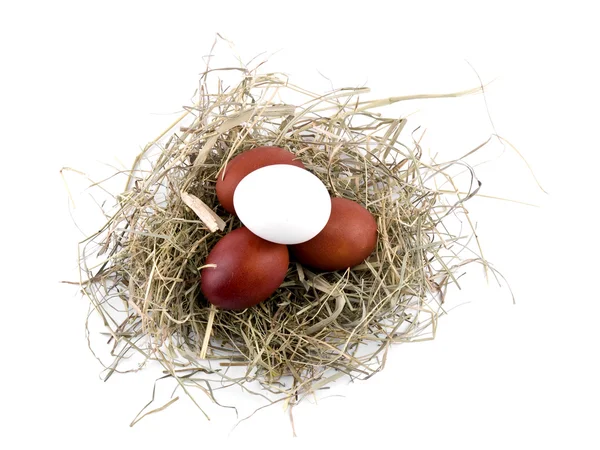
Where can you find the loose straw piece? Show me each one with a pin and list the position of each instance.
(209, 325)
(208, 217)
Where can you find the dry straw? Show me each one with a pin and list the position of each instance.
(141, 271)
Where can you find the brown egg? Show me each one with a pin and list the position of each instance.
(349, 237)
(247, 162)
(248, 270)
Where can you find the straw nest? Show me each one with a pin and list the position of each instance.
(141, 271)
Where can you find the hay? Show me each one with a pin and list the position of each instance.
(141, 271)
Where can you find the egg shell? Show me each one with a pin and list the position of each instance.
(248, 270)
(283, 204)
(349, 237)
(248, 162)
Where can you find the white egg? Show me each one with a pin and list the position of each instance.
(282, 203)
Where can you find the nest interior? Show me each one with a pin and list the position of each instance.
(141, 270)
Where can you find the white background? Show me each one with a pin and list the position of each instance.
(85, 84)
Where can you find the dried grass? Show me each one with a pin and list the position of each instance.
(141, 271)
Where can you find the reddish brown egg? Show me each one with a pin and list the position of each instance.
(247, 162)
(248, 270)
(349, 237)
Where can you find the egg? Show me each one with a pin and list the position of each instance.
(349, 237)
(248, 270)
(282, 204)
(245, 163)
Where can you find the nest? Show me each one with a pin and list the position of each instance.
(141, 271)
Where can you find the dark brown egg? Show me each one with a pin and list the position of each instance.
(247, 162)
(349, 237)
(248, 270)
